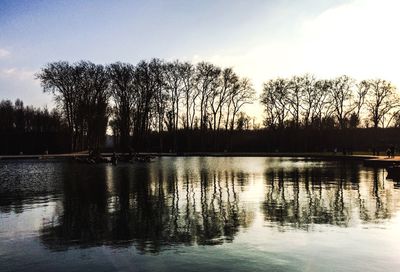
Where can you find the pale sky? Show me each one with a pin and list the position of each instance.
(259, 39)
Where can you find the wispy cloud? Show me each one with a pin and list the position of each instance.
(17, 73)
(21, 83)
(4, 53)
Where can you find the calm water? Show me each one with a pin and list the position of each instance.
(198, 214)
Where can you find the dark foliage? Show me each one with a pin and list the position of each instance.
(30, 130)
(284, 140)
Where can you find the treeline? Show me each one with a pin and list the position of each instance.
(307, 102)
(163, 106)
(151, 96)
(30, 130)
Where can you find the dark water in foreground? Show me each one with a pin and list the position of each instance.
(198, 214)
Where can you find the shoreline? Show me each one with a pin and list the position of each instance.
(326, 155)
(362, 157)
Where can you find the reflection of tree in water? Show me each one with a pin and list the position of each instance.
(164, 204)
(334, 195)
(149, 207)
(82, 217)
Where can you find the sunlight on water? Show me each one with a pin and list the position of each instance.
(199, 213)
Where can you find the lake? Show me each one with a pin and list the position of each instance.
(198, 214)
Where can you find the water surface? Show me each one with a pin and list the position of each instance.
(198, 214)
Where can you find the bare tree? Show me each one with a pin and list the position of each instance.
(294, 99)
(187, 72)
(341, 92)
(275, 93)
(207, 80)
(309, 98)
(268, 101)
(175, 87)
(61, 79)
(362, 90)
(242, 95)
(94, 101)
(220, 95)
(382, 99)
(122, 89)
(149, 97)
(323, 107)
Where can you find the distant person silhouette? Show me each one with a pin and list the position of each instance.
(114, 159)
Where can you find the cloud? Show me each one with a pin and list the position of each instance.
(14, 76)
(359, 38)
(18, 74)
(21, 83)
(4, 53)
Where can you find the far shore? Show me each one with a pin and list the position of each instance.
(365, 157)
(323, 155)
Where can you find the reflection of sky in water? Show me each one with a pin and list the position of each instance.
(202, 212)
(27, 223)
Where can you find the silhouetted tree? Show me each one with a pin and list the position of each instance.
(178, 103)
(30, 130)
(274, 97)
(95, 94)
(220, 95)
(62, 79)
(240, 96)
(148, 87)
(207, 80)
(342, 99)
(190, 93)
(382, 99)
(123, 90)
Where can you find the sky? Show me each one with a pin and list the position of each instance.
(261, 40)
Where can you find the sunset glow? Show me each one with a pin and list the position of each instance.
(260, 39)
